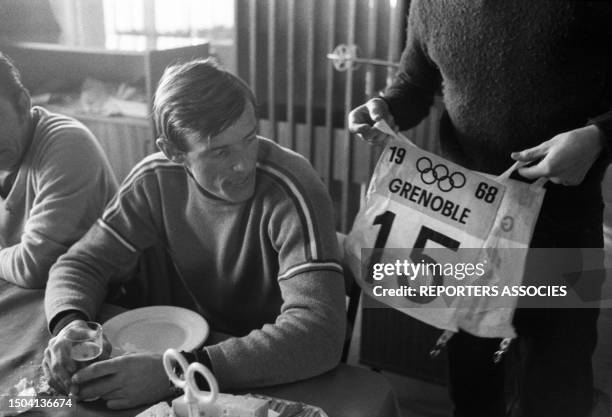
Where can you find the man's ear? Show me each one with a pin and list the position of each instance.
(170, 150)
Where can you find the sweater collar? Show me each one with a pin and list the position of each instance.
(210, 197)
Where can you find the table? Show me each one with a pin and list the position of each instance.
(346, 391)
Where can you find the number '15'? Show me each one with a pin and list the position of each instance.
(416, 254)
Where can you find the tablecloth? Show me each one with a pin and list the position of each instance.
(346, 391)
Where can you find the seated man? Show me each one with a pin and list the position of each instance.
(54, 183)
(250, 229)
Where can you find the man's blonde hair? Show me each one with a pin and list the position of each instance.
(198, 96)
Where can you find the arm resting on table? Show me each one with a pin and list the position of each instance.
(74, 184)
(306, 339)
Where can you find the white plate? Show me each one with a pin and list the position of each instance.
(155, 329)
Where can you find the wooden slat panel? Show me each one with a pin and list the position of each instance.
(303, 143)
(253, 45)
(283, 129)
(291, 72)
(341, 161)
(320, 159)
(371, 156)
(397, 16)
(271, 68)
(310, 63)
(371, 47)
(362, 152)
(124, 144)
(326, 167)
(265, 128)
(347, 147)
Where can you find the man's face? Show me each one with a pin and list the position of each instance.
(13, 130)
(225, 165)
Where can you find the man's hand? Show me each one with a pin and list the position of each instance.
(566, 158)
(57, 364)
(124, 381)
(362, 118)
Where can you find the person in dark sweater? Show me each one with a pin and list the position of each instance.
(529, 81)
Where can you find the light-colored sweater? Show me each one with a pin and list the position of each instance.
(265, 271)
(61, 188)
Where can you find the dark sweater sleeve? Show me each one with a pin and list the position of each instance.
(63, 319)
(417, 80)
(600, 16)
(604, 123)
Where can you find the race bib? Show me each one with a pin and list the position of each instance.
(427, 224)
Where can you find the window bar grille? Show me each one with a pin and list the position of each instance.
(149, 23)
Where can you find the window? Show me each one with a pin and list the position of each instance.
(136, 24)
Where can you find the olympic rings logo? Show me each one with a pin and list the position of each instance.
(440, 174)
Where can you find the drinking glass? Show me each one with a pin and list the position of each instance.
(85, 343)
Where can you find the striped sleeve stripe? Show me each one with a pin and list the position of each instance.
(147, 163)
(312, 249)
(137, 172)
(116, 235)
(310, 266)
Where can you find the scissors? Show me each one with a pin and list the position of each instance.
(194, 396)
